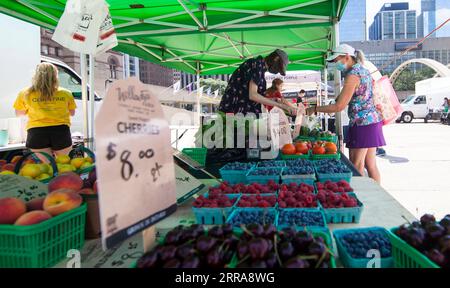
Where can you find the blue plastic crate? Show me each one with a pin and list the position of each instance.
(235, 176)
(231, 196)
(347, 260)
(322, 228)
(346, 214)
(214, 216)
(263, 179)
(264, 211)
(334, 177)
(307, 179)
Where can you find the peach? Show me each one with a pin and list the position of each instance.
(3, 162)
(11, 209)
(86, 191)
(36, 204)
(15, 159)
(33, 217)
(95, 187)
(62, 200)
(67, 180)
(8, 167)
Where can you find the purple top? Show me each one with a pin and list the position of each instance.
(361, 109)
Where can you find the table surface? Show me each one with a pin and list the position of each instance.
(380, 209)
(11, 147)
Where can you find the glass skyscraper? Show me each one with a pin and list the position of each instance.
(352, 26)
(434, 12)
(394, 21)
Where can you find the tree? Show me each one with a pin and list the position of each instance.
(407, 79)
(214, 84)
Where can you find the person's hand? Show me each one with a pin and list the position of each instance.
(310, 111)
(292, 110)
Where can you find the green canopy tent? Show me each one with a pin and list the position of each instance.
(209, 36)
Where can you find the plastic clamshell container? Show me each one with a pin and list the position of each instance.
(264, 179)
(346, 214)
(317, 210)
(237, 211)
(347, 260)
(214, 216)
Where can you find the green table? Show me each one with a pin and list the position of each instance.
(381, 209)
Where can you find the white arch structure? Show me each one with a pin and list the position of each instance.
(441, 69)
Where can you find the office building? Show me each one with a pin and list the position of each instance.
(353, 24)
(380, 53)
(434, 13)
(394, 21)
(109, 66)
(150, 73)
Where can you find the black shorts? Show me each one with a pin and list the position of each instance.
(54, 137)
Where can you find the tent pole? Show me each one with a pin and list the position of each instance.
(337, 86)
(325, 77)
(199, 94)
(91, 100)
(84, 98)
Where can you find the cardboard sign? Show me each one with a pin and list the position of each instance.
(20, 187)
(187, 185)
(136, 173)
(280, 129)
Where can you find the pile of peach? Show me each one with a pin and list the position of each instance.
(64, 195)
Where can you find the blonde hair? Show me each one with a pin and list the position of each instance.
(45, 80)
(359, 57)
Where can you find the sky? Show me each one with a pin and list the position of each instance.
(373, 6)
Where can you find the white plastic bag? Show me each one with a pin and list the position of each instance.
(86, 27)
(280, 128)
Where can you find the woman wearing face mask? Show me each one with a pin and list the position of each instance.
(365, 122)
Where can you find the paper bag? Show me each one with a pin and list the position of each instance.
(280, 128)
(86, 27)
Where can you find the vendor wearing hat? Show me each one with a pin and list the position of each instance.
(247, 85)
(365, 132)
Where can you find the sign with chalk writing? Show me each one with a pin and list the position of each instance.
(136, 174)
(20, 187)
(187, 185)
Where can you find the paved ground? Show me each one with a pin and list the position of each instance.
(416, 169)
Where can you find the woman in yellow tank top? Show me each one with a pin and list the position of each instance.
(49, 108)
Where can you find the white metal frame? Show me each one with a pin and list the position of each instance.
(240, 23)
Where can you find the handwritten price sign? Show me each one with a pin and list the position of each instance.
(136, 173)
(127, 168)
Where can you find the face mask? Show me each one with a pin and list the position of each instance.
(275, 68)
(341, 66)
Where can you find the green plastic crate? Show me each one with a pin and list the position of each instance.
(45, 244)
(196, 154)
(406, 256)
(336, 156)
(290, 157)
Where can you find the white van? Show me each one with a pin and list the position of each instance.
(429, 98)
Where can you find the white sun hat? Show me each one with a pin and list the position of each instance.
(342, 49)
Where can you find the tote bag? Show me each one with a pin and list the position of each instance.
(384, 95)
